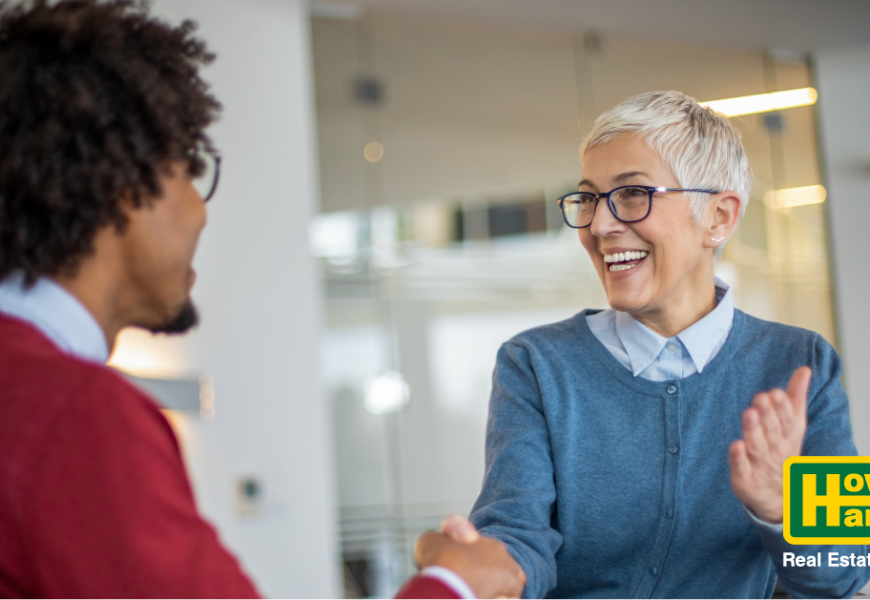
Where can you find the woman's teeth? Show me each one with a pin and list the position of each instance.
(622, 257)
(617, 268)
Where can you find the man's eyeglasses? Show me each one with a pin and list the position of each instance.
(629, 204)
(206, 168)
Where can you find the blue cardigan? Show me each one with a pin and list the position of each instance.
(606, 485)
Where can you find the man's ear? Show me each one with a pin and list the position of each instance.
(127, 206)
(723, 215)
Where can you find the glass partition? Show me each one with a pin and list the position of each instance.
(444, 240)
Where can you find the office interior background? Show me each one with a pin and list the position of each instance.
(386, 218)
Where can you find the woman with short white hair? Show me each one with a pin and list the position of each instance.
(635, 451)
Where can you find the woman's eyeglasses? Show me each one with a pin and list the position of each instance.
(629, 204)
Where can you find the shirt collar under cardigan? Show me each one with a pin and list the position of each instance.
(700, 339)
(57, 314)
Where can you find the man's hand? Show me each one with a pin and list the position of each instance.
(483, 563)
(773, 431)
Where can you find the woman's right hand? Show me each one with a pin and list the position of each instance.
(482, 562)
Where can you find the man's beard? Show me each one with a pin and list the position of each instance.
(187, 319)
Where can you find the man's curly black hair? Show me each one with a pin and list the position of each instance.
(96, 99)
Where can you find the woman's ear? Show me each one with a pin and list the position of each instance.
(723, 214)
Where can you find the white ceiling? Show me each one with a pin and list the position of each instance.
(790, 25)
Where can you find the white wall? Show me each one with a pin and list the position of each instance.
(843, 79)
(258, 291)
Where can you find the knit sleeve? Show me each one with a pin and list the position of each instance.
(829, 430)
(829, 433)
(110, 512)
(518, 499)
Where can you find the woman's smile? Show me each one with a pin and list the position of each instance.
(623, 260)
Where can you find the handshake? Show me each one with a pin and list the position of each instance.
(482, 562)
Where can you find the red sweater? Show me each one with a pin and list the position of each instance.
(94, 497)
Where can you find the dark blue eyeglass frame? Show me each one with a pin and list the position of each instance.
(215, 157)
(597, 197)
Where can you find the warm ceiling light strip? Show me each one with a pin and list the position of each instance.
(750, 105)
(799, 196)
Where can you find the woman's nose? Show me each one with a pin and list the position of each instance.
(604, 223)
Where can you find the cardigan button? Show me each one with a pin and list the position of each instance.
(673, 449)
(668, 512)
(654, 570)
(672, 389)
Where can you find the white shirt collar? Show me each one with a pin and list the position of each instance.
(57, 314)
(700, 339)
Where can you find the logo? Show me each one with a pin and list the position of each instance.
(826, 500)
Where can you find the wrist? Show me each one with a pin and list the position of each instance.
(771, 516)
(449, 578)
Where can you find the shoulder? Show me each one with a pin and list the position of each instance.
(544, 350)
(784, 348)
(554, 336)
(108, 409)
(47, 390)
(30, 362)
(785, 338)
(61, 415)
(762, 329)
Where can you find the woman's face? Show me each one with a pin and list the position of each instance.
(676, 258)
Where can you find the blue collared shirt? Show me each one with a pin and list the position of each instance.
(57, 314)
(656, 358)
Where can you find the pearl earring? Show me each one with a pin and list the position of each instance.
(718, 239)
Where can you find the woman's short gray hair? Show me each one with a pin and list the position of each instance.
(698, 144)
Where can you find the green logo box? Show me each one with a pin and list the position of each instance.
(826, 500)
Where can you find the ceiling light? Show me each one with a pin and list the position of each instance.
(387, 393)
(373, 152)
(748, 105)
(798, 196)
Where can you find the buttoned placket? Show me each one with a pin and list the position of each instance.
(671, 399)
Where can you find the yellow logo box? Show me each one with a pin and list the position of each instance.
(826, 500)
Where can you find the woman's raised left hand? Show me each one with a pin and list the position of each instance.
(773, 431)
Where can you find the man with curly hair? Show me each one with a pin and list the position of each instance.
(105, 165)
